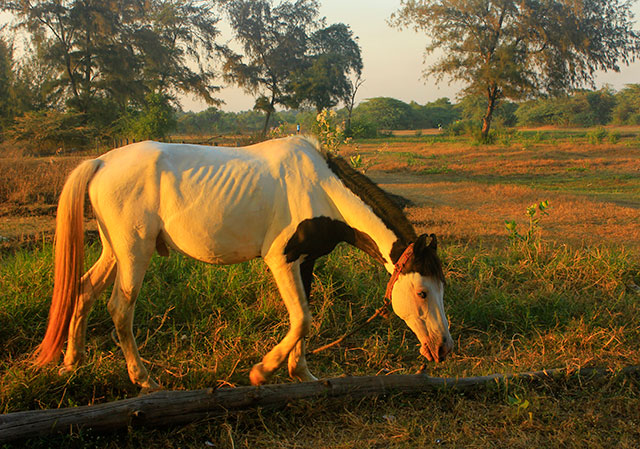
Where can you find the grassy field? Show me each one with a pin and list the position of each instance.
(562, 298)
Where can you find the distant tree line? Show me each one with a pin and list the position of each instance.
(374, 116)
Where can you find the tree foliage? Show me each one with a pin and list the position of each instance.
(155, 120)
(383, 113)
(290, 58)
(7, 82)
(274, 39)
(333, 55)
(109, 55)
(517, 49)
(627, 108)
(583, 108)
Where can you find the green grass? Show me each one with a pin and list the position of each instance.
(513, 308)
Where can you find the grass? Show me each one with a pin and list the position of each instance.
(559, 300)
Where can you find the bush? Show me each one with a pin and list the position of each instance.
(462, 128)
(384, 113)
(627, 108)
(361, 129)
(597, 135)
(614, 137)
(50, 132)
(155, 121)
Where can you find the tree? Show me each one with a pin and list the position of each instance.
(385, 113)
(349, 98)
(274, 39)
(521, 48)
(436, 114)
(156, 119)
(333, 55)
(107, 55)
(627, 108)
(7, 81)
(582, 108)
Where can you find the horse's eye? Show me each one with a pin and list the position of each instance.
(423, 295)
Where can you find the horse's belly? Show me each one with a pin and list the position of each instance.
(216, 237)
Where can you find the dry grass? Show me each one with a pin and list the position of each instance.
(464, 191)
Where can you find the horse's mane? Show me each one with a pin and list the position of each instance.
(372, 195)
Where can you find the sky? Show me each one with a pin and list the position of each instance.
(393, 59)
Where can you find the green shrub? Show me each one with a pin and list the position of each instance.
(51, 132)
(597, 135)
(362, 129)
(614, 137)
(462, 128)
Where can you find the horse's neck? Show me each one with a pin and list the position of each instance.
(358, 215)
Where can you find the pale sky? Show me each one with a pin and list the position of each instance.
(393, 59)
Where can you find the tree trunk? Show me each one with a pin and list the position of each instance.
(492, 95)
(266, 121)
(179, 407)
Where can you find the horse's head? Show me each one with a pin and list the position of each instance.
(417, 298)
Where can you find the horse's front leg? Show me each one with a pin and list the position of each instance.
(288, 279)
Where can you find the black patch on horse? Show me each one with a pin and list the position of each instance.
(315, 237)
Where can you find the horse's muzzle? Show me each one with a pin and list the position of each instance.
(437, 351)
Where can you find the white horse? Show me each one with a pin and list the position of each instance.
(280, 200)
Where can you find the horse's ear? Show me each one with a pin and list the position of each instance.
(434, 242)
(420, 244)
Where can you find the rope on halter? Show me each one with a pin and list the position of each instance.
(382, 311)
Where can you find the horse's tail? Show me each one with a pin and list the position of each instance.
(69, 255)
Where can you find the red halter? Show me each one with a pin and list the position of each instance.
(399, 265)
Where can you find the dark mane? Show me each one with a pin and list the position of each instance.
(376, 198)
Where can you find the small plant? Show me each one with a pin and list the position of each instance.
(330, 133)
(356, 161)
(278, 131)
(597, 135)
(614, 137)
(532, 235)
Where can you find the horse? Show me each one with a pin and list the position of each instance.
(283, 200)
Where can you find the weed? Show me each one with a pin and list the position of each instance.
(436, 170)
(356, 161)
(614, 137)
(597, 135)
(330, 133)
(531, 237)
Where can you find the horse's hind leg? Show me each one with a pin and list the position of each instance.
(130, 273)
(94, 281)
(297, 364)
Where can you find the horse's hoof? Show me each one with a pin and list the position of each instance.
(149, 387)
(146, 390)
(308, 378)
(65, 370)
(303, 376)
(257, 375)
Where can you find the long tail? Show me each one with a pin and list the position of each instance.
(69, 256)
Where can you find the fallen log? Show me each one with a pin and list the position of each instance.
(180, 407)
